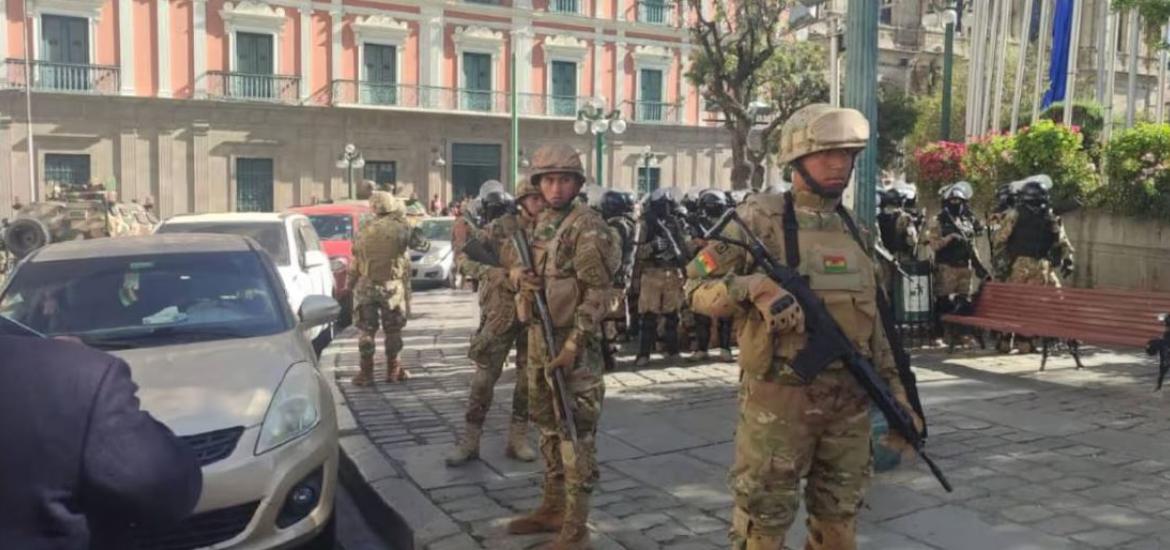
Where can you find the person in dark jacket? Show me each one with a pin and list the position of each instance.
(82, 462)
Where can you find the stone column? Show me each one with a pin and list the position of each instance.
(199, 152)
(306, 36)
(126, 46)
(7, 178)
(431, 46)
(523, 44)
(199, 48)
(336, 15)
(598, 53)
(127, 164)
(3, 41)
(619, 71)
(164, 194)
(163, 62)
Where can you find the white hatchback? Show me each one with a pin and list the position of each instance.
(291, 241)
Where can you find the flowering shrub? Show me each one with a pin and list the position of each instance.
(1139, 171)
(989, 162)
(1055, 149)
(938, 164)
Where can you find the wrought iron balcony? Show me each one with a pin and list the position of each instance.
(269, 88)
(61, 77)
(654, 112)
(656, 12)
(549, 105)
(386, 94)
(565, 6)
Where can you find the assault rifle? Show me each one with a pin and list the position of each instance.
(826, 341)
(674, 248)
(560, 390)
(478, 252)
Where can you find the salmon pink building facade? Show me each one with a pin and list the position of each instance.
(211, 105)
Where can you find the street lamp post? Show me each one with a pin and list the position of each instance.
(350, 159)
(950, 17)
(593, 118)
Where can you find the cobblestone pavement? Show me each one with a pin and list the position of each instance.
(1052, 460)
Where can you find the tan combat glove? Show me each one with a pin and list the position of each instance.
(894, 440)
(777, 305)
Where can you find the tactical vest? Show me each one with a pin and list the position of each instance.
(838, 270)
(560, 282)
(383, 245)
(1032, 236)
(956, 253)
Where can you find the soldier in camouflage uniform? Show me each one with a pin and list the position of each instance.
(788, 430)
(576, 257)
(499, 327)
(1033, 239)
(378, 278)
(466, 224)
(950, 235)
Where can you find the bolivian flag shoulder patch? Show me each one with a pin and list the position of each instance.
(705, 262)
(834, 263)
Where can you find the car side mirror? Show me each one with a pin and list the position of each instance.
(318, 310)
(315, 258)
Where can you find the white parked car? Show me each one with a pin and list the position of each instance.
(219, 358)
(437, 265)
(291, 241)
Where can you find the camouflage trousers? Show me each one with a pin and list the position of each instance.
(490, 351)
(1033, 271)
(368, 317)
(954, 280)
(819, 432)
(661, 291)
(573, 465)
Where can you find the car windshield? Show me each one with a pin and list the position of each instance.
(437, 230)
(145, 301)
(333, 227)
(269, 235)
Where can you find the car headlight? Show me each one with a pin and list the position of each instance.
(295, 408)
(434, 256)
(338, 263)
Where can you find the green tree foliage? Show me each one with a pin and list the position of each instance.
(897, 115)
(1153, 14)
(1055, 149)
(739, 58)
(1139, 172)
(1089, 117)
(989, 162)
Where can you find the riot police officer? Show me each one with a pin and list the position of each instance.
(617, 208)
(951, 235)
(662, 253)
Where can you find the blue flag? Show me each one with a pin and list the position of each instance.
(1058, 65)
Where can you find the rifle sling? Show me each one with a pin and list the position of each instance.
(791, 232)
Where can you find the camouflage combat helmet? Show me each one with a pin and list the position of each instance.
(556, 159)
(822, 127)
(384, 202)
(526, 188)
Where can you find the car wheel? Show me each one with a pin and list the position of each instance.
(327, 538)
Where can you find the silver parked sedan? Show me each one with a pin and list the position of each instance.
(220, 358)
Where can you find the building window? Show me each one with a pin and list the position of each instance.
(564, 88)
(477, 81)
(655, 12)
(380, 63)
(384, 174)
(886, 12)
(650, 95)
(254, 66)
(471, 165)
(648, 178)
(254, 185)
(68, 171)
(64, 53)
(563, 6)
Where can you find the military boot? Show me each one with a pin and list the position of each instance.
(548, 517)
(833, 534)
(366, 376)
(518, 447)
(395, 372)
(468, 447)
(646, 338)
(574, 533)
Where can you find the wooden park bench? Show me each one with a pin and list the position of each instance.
(1074, 315)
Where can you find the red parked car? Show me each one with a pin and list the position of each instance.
(337, 225)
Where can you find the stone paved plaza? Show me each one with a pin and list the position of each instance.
(1052, 460)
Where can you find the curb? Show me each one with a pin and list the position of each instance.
(394, 507)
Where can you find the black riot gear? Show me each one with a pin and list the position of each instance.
(1033, 235)
(494, 205)
(616, 203)
(712, 204)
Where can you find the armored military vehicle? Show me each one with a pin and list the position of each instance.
(88, 213)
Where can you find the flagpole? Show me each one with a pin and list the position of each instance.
(1041, 42)
(1074, 44)
(1162, 57)
(1005, 13)
(1131, 85)
(1111, 76)
(1018, 93)
(28, 85)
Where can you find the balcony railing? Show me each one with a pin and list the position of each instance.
(549, 105)
(61, 77)
(565, 6)
(656, 12)
(270, 88)
(654, 112)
